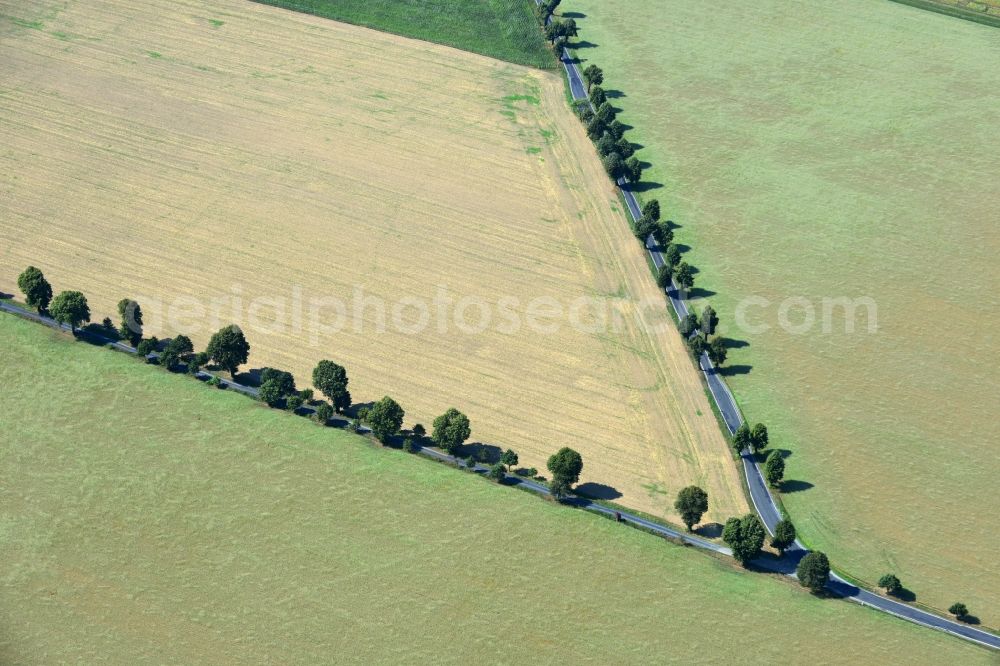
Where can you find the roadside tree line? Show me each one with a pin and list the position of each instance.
(228, 349)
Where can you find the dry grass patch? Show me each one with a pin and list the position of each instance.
(160, 149)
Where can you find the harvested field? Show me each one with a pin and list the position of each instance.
(818, 151)
(225, 152)
(212, 530)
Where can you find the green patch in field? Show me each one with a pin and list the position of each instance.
(548, 135)
(156, 55)
(22, 23)
(532, 150)
(509, 100)
(216, 23)
(654, 489)
(502, 29)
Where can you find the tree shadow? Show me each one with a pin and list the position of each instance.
(5, 296)
(794, 486)
(614, 94)
(732, 343)
(573, 15)
(485, 453)
(968, 619)
(636, 146)
(249, 377)
(353, 410)
(785, 453)
(710, 530)
(681, 247)
(904, 594)
(699, 292)
(597, 491)
(734, 370)
(643, 163)
(583, 44)
(644, 186)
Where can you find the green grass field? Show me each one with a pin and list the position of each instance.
(502, 29)
(145, 517)
(846, 149)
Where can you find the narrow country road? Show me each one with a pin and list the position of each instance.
(762, 499)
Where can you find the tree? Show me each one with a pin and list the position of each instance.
(598, 96)
(509, 458)
(196, 361)
(596, 128)
(689, 324)
(643, 227)
(293, 402)
(324, 412)
(606, 145)
(717, 351)
(385, 418)
(697, 346)
(560, 488)
(685, 275)
(672, 255)
(959, 610)
(663, 275)
(745, 536)
(613, 165)
(419, 430)
(709, 320)
(147, 346)
(664, 234)
(691, 504)
(497, 472)
(283, 380)
(813, 571)
(784, 535)
(545, 9)
(633, 169)
(36, 289)
(741, 438)
(622, 146)
(774, 468)
(565, 465)
(70, 307)
(606, 113)
(451, 429)
(593, 75)
(583, 111)
(229, 348)
(306, 395)
(181, 345)
(890, 583)
(130, 318)
(169, 358)
(652, 209)
(759, 438)
(271, 392)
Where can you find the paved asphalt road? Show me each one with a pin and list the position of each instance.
(763, 502)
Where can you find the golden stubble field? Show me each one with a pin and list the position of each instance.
(224, 151)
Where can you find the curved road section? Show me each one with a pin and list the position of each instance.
(763, 502)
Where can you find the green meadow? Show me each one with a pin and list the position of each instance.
(145, 517)
(814, 151)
